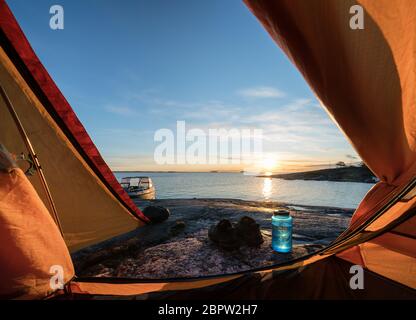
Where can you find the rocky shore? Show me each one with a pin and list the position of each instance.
(179, 246)
(343, 174)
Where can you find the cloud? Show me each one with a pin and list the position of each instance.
(121, 110)
(299, 126)
(261, 92)
(212, 111)
(295, 113)
(350, 156)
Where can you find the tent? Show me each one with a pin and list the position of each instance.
(365, 79)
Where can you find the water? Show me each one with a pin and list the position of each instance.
(239, 186)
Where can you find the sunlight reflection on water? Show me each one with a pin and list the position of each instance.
(267, 188)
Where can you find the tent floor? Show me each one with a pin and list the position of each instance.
(327, 279)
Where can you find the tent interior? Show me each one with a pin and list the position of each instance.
(365, 79)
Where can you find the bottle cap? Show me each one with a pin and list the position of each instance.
(281, 212)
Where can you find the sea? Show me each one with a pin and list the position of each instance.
(188, 185)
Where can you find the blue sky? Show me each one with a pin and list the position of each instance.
(129, 68)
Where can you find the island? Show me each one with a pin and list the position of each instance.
(344, 174)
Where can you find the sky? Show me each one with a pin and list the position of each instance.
(131, 68)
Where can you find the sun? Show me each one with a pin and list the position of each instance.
(269, 164)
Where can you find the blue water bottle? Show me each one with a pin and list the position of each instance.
(282, 231)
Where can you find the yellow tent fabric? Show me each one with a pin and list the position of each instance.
(81, 184)
(88, 212)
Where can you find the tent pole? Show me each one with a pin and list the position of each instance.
(29, 146)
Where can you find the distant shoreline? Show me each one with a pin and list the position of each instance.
(342, 174)
(150, 171)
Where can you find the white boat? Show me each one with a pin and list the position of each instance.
(139, 187)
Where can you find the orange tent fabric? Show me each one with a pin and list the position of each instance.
(31, 242)
(364, 78)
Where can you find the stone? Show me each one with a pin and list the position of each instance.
(156, 214)
(177, 228)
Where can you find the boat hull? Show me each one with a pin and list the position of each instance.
(149, 194)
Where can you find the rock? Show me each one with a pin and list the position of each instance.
(111, 263)
(99, 270)
(156, 214)
(117, 250)
(177, 228)
(132, 246)
(93, 259)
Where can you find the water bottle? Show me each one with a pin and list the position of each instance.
(282, 231)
